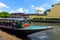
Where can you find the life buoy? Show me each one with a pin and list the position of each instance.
(25, 25)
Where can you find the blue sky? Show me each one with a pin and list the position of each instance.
(26, 6)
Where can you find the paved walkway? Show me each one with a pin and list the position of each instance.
(6, 36)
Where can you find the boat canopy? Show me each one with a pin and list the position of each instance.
(16, 19)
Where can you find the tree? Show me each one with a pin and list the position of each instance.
(4, 14)
(48, 10)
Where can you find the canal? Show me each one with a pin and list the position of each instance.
(51, 34)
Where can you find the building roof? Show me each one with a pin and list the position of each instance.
(23, 14)
(27, 14)
(16, 13)
(55, 4)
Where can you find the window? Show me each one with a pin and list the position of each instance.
(52, 5)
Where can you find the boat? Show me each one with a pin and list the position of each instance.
(20, 27)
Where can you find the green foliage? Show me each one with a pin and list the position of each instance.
(38, 19)
(46, 19)
(52, 19)
(4, 14)
(41, 18)
(34, 18)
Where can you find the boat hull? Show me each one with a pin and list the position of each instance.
(21, 33)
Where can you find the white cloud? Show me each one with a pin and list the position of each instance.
(36, 8)
(44, 5)
(12, 11)
(2, 5)
(21, 10)
(41, 9)
(26, 10)
(56, 1)
(32, 6)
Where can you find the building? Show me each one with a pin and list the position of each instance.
(54, 12)
(18, 15)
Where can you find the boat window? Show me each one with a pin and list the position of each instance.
(52, 5)
(23, 22)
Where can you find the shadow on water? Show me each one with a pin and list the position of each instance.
(51, 34)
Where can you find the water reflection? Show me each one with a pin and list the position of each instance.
(51, 34)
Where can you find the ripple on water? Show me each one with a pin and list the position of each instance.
(39, 36)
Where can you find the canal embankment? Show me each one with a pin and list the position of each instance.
(46, 21)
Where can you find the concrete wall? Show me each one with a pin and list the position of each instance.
(54, 12)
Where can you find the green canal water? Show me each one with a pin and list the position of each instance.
(51, 34)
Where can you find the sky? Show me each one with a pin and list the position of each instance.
(26, 6)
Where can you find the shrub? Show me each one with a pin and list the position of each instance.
(52, 19)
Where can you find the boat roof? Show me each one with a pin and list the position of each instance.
(17, 19)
